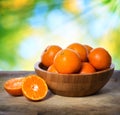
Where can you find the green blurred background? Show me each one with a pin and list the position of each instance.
(29, 26)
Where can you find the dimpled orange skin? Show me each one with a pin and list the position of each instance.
(88, 47)
(87, 68)
(80, 49)
(100, 58)
(51, 68)
(67, 61)
(48, 55)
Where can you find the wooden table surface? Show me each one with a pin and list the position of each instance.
(106, 102)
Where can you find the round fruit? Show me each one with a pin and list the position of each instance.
(14, 86)
(49, 54)
(80, 49)
(52, 69)
(34, 88)
(100, 58)
(89, 48)
(87, 68)
(67, 61)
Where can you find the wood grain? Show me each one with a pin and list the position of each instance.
(74, 85)
(105, 102)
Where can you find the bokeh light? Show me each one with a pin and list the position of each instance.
(28, 27)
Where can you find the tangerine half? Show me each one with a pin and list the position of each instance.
(34, 88)
(14, 86)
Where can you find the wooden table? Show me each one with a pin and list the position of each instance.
(106, 102)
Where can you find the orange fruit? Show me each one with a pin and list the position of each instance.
(52, 69)
(87, 68)
(100, 58)
(88, 47)
(80, 49)
(67, 61)
(14, 86)
(48, 55)
(34, 88)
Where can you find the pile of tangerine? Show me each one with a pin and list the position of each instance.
(75, 58)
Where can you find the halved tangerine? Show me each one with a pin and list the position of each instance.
(14, 86)
(34, 88)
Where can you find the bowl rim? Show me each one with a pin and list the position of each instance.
(36, 66)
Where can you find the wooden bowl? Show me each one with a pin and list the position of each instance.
(74, 85)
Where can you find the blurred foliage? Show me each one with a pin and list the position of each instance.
(111, 42)
(15, 25)
(114, 5)
(13, 14)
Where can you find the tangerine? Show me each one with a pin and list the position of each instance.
(100, 58)
(34, 88)
(67, 61)
(52, 68)
(14, 86)
(87, 68)
(88, 47)
(48, 55)
(80, 49)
